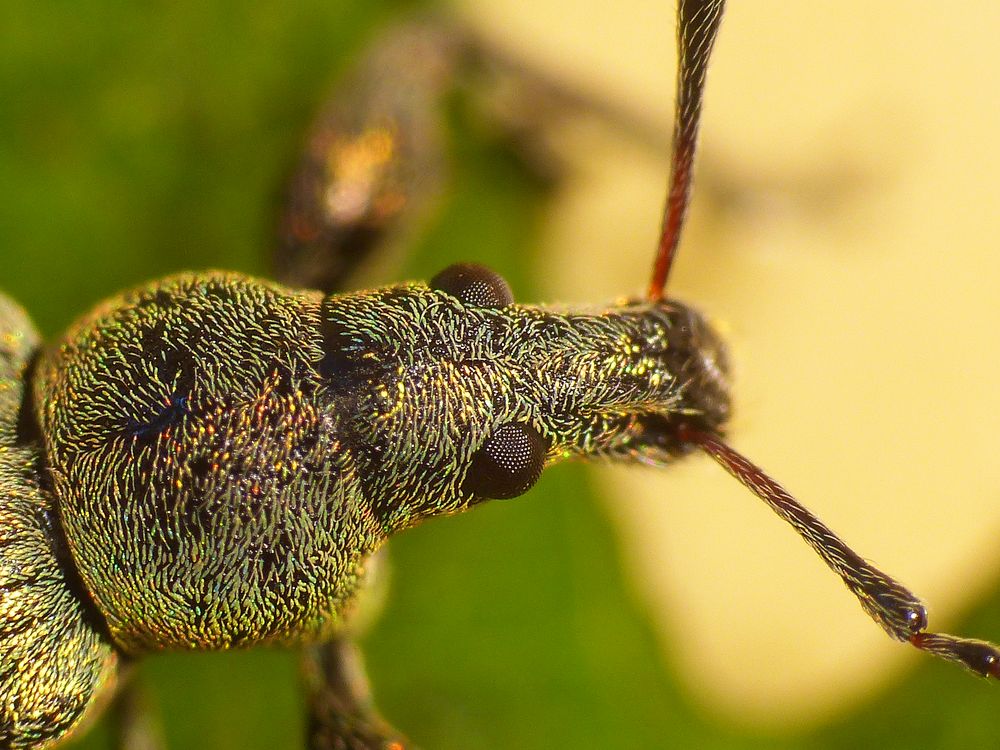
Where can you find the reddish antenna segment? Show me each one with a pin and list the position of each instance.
(697, 26)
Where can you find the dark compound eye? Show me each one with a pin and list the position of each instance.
(508, 463)
(474, 284)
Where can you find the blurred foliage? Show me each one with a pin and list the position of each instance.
(140, 139)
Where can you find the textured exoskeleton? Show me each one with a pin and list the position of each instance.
(225, 454)
(55, 659)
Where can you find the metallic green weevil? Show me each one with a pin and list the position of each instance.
(223, 454)
(211, 460)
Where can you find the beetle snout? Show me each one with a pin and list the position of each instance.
(699, 357)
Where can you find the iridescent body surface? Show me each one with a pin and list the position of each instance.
(226, 453)
(55, 661)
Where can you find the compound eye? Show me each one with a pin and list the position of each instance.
(474, 284)
(508, 463)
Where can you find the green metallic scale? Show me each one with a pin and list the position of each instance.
(55, 659)
(225, 454)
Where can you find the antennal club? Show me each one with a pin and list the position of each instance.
(697, 26)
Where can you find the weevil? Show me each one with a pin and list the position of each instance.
(181, 389)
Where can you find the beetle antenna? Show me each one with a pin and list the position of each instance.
(697, 26)
(900, 613)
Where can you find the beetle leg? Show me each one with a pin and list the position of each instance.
(373, 160)
(342, 715)
(374, 163)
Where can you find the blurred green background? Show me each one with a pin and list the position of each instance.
(142, 139)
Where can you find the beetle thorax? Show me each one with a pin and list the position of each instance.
(204, 493)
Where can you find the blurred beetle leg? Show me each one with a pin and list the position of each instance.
(342, 715)
(374, 162)
(374, 159)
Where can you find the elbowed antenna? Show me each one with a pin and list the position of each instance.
(697, 26)
(890, 604)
